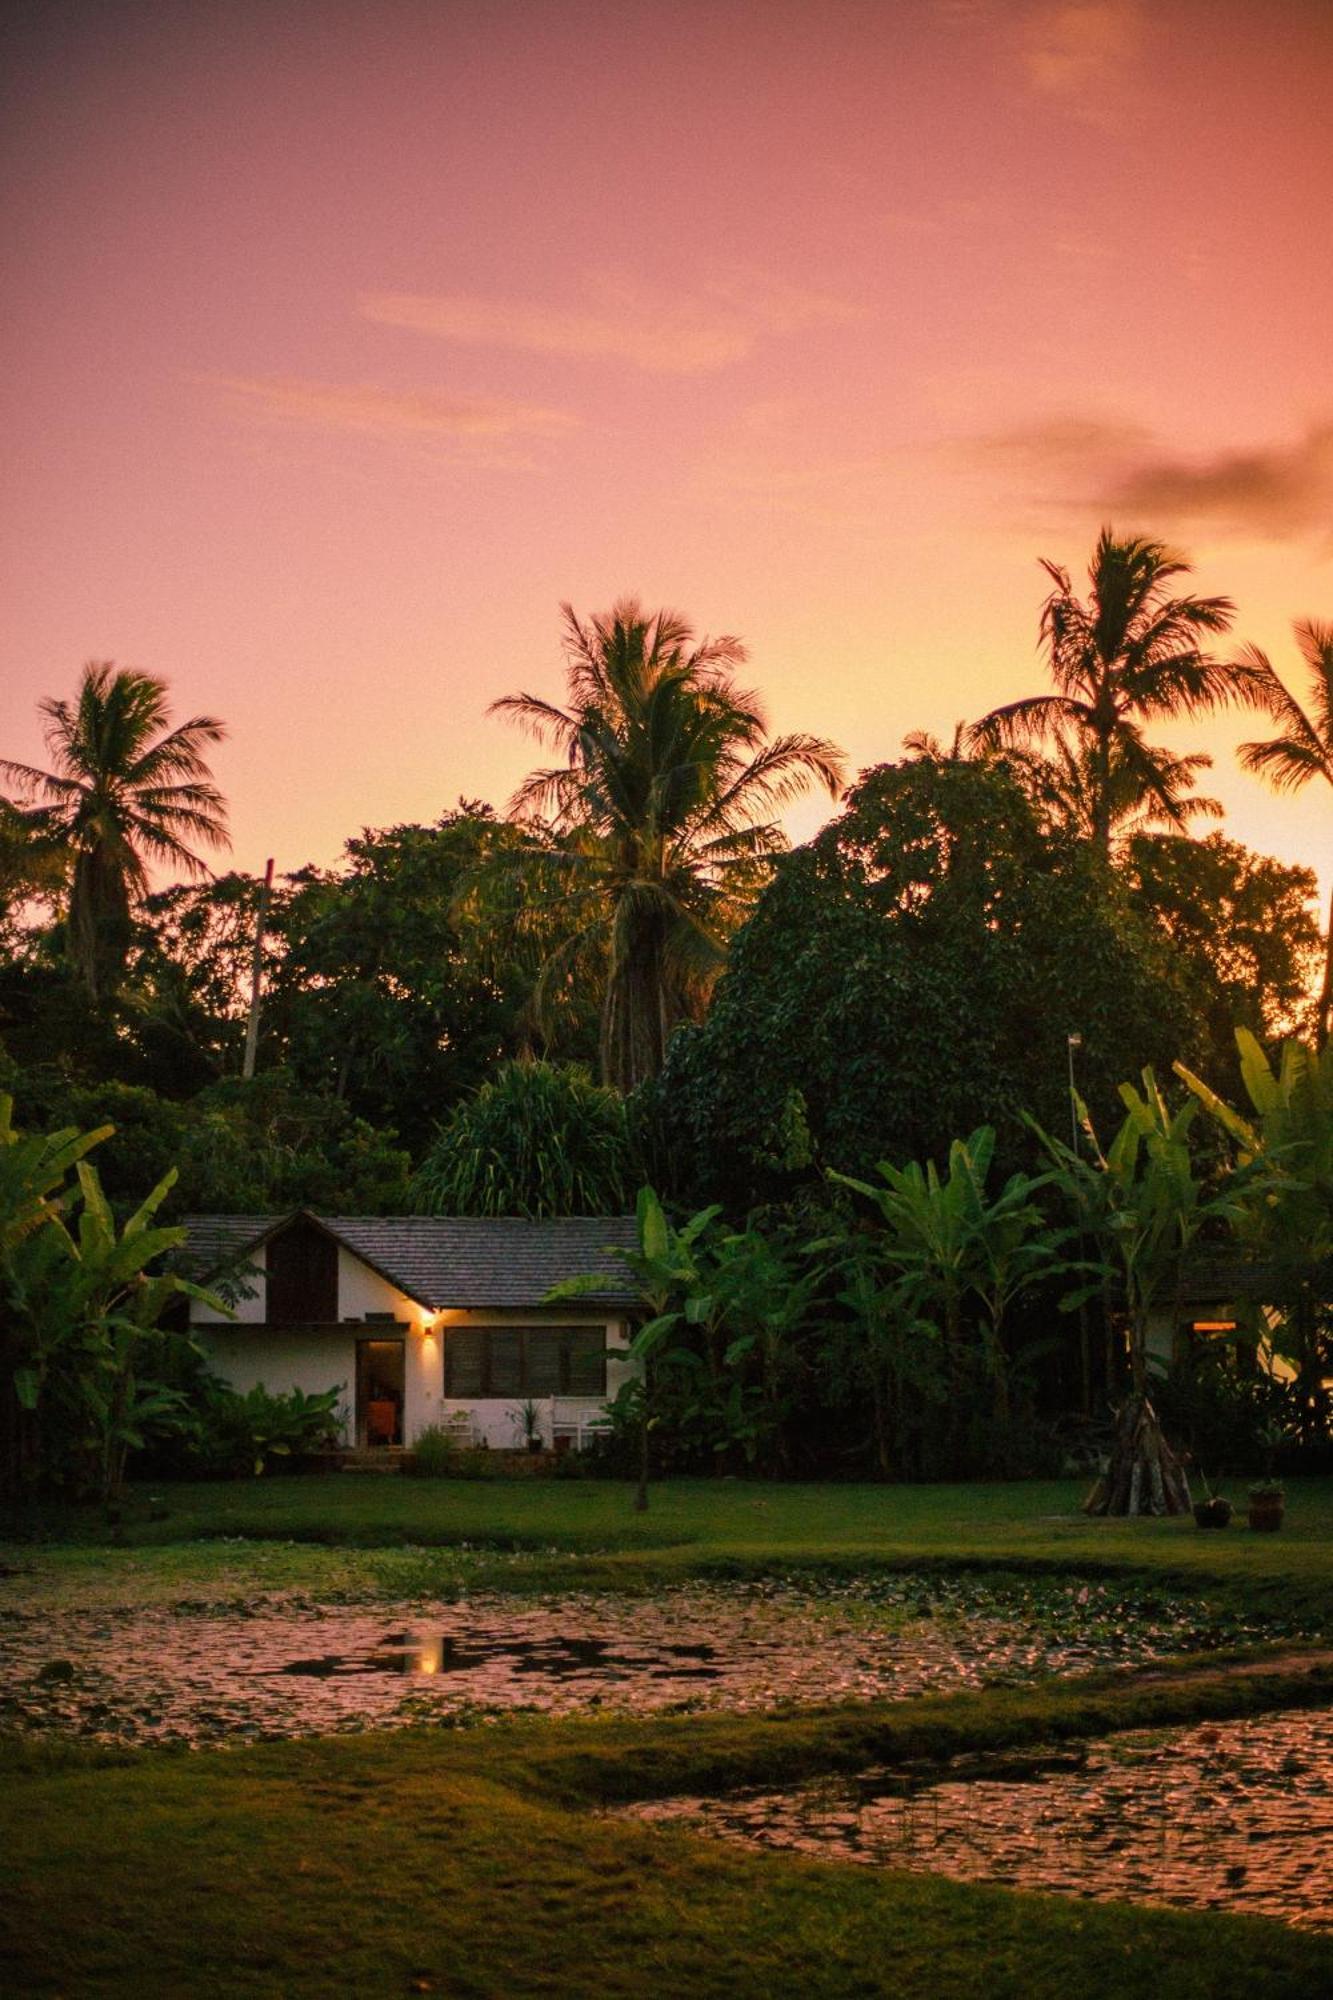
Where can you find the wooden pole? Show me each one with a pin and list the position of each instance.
(256, 975)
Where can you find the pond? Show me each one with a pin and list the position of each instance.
(1235, 1816)
(286, 1669)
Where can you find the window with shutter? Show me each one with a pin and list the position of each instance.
(494, 1362)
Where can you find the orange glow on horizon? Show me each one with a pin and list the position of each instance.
(343, 352)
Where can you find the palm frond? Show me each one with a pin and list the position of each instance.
(1019, 723)
(1303, 750)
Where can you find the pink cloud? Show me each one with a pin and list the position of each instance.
(393, 414)
(689, 336)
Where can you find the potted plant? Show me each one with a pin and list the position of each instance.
(527, 1421)
(1268, 1499)
(1214, 1511)
(1268, 1504)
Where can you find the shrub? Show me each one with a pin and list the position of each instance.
(434, 1454)
(539, 1139)
(239, 1435)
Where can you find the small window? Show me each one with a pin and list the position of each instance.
(484, 1362)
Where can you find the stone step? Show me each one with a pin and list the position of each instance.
(382, 1461)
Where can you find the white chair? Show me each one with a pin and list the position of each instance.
(573, 1423)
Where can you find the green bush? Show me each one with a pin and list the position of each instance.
(239, 1435)
(539, 1140)
(434, 1454)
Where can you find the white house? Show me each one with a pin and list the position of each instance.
(419, 1320)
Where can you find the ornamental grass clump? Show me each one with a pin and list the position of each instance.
(539, 1140)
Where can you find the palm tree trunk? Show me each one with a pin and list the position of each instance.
(635, 1012)
(99, 923)
(1101, 803)
(1326, 993)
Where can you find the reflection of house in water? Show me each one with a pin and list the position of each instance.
(420, 1320)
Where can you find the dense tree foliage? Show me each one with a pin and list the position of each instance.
(920, 963)
(389, 994)
(1243, 927)
(1301, 750)
(257, 1148)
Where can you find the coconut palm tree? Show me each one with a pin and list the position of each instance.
(1142, 786)
(1130, 655)
(126, 790)
(655, 832)
(1303, 750)
(1059, 780)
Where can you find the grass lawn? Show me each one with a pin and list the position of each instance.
(368, 1535)
(442, 1863)
(475, 1861)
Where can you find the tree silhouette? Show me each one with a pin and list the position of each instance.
(661, 816)
(126, 790)
(1129, 655)
(1302, 750)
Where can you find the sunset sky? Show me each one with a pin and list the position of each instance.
(343, 341)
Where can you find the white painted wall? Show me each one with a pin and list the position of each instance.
(362, 1291)
(282, 1361)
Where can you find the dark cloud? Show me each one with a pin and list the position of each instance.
(1281, 492)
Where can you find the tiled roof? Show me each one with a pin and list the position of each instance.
(446, 1260)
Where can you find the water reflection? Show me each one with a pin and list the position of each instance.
(561, 1656)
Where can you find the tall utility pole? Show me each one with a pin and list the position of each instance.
(256, 975)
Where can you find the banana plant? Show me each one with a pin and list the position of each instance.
(763, 1304)
(1143, 1202)
(883, 1357)
(669, 1275)
(1290, 1133)
(1145, 1206)
(949, 1243)
(83, 1309)
(34, 1183)
(1283, 1154)
(34, 1187)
